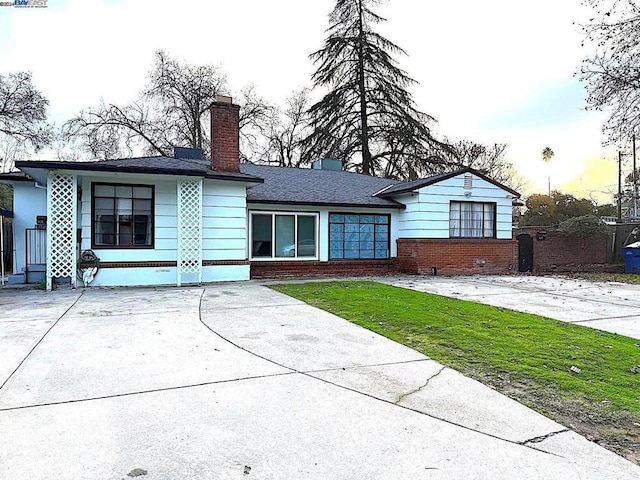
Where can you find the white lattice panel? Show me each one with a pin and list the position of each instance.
(190, 229)
(61, 227)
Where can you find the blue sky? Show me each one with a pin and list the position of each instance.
(555, 104)
(496, 71)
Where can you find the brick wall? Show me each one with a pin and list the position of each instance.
(457, 256)
(555, 251)
(225, 149)
(318, 269)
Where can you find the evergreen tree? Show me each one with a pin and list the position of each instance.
(368, 118)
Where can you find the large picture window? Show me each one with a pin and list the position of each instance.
(122, 215)
(353, 236)
(472, 220)
(284, 235)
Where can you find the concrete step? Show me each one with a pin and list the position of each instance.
(35, 276)
(16, 279)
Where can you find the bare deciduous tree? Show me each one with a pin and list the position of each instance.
(612, 70)
(11, 149)
(287, 128)
(489, 160)
(111, 131)
(23, 118)
(256, 118)
(172, 110)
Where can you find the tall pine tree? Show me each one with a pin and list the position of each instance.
(368, 118)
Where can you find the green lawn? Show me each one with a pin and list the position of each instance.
(493, 344)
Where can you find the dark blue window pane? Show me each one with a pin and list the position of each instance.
(351, 227)
(352, 218)
(382, 219)
(382, 228)
(366, 245)
(366, 236)
(366, 227)
(336, 254)
(366, 254)
(335, 245)
(366, 218)
(381, 254)
(336, 236)
(352, 237)
(382, 245)
(382, 237)
(351, 254)
(351, 245)
(336, 227)
(336, 217)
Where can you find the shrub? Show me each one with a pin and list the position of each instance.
(584, 227)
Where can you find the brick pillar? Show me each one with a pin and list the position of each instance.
(225, 142)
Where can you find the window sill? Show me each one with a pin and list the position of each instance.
(472, 238)
(118, 247)
(284, 259)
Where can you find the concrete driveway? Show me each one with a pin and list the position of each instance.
(613, 307)
(237, 381)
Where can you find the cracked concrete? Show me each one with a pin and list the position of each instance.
(204, 382)
(542, 438)
(612, 307)
(402, 396)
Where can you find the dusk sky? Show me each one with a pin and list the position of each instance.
(496, 71)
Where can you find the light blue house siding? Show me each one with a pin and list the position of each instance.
(32, 202)
(224, 232)
(428, 209)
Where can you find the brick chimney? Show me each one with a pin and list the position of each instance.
(225, 148)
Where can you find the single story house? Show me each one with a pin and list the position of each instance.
(163, 220)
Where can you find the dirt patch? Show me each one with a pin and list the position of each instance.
(615, 431)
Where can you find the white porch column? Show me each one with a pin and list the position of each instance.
(189, 229)
(62, 201)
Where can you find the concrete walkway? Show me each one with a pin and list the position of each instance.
(612, 307)
(237, 381)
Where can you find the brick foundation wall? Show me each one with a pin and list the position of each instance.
(457, 256)
(340, 268)
(555, 251)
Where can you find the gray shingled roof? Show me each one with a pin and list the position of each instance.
(305, 186)
(423, 182)
(153, 165)
(301, 186)
(406, 187)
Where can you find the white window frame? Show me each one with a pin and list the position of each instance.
(273, 214)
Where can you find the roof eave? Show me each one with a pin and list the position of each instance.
(236, 178)
(447, 176)
(12, 177)
(98, 167)
(393, 204)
